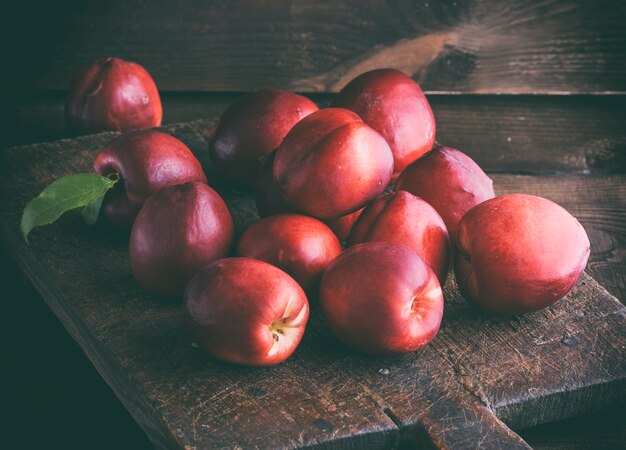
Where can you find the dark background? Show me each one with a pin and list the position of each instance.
(509, 82)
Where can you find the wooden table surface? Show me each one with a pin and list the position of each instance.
(530, 88)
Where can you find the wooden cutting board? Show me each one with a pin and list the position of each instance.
(480, 378)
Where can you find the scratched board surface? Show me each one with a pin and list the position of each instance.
(481, 377)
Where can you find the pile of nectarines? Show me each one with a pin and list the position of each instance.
(320, 177)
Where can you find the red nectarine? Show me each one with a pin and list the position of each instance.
(518, 253)
(394, 105)
(300, 245)
(381, 298)
(111, 94)
(146, 161)
(331, 163)
(252, 127)
(246, 311)
(179, 230)
(403, 218)
(450, 181)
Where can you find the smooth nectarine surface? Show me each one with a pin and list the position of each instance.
(179, 230)
(381, 298)
(518, 253)
(111, 94)
(403, 218)
(300, 245)
(342, 225)
(146, 161)
(251, 128)
(450, 181)
(267, 197)
(394, 105)
(331, 163)
(246, 311)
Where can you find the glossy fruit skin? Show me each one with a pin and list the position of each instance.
(342, 225)
(403, 218)
(256, 320)
(269, 201)
(179, 230)
(267, 196)
(146, 160)
(518, 253)
(381, 298)
(394, 105)
(450, 181)
(300, 245)
(111, 94)
(325, 152)
(251, 128)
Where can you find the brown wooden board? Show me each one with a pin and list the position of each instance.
(520, 133)
(468, 46)
(479, 375)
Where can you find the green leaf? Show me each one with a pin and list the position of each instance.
(91, 211)
(84, 190)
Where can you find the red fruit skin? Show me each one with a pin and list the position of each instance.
(269, 201)
(403, 218)
(342, 225)
(518, 253)
(300, 245)
(118, 210)
(246, 311)
(146, 160)
(267, 196)
(381, 298)
(251, 128)
(325, 152)
(394, 105)
(450, 181)
(179, 230)
(111, 94)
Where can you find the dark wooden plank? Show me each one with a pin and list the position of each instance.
(536, 134)
(547, 348)
(453, 45)
(170, 387)
(605, 431)
(45, 373)
(525, 370)
(532, 134)
(445, 395)
(48, 381)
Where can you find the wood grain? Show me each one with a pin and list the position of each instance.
(468, 46)
(525, 134)
(478, 375)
